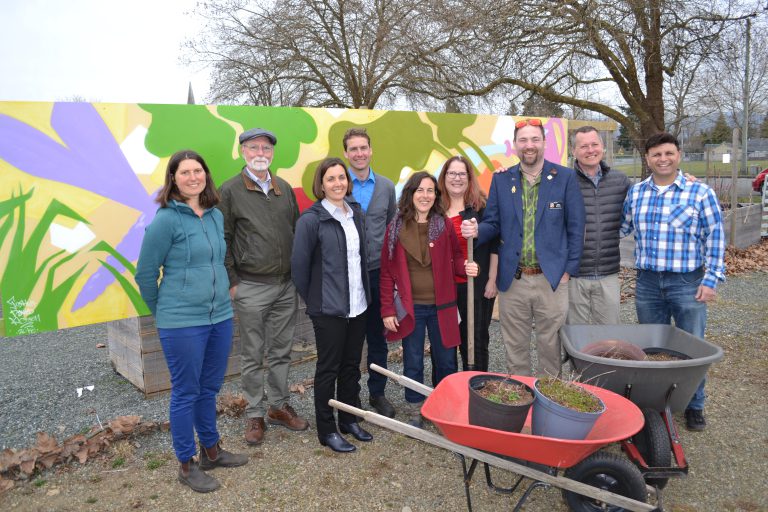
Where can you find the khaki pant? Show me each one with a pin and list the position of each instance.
(594, 301)
(528, 301)
(267, 316)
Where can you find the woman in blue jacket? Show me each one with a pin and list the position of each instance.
(192, 311)
(329, 270)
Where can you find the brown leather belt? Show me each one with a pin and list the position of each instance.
(531, 271)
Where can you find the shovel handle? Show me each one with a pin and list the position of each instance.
(470, 309)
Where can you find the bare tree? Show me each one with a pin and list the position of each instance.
(322, 53)
(684, 97)
(592, 54)
(724, 74)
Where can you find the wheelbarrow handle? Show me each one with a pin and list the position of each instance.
(402, 380)
(560, 482)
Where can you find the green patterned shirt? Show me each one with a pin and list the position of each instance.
(530, 199)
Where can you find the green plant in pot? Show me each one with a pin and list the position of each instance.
(564, 409)
(499, 402)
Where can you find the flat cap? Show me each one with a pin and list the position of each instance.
(258, 132)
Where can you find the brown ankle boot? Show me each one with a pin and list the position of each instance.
(217, 457)
(191, 476)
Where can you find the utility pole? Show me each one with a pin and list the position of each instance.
(745, 106)
(734, 186)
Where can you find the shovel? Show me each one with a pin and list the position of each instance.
(468, 214)
(470, 309)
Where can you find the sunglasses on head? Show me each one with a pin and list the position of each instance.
(530, 122)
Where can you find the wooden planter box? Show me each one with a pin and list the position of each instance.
(136, 354)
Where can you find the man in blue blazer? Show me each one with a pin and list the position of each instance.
(537, 210)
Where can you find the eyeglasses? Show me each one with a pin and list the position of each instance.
(456, 175)
(530, 122)
(266, 148)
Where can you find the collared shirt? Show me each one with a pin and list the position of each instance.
(594, 179)
(264, 185)
(530, 199)
(357, 301)
(678, 229)
(362, 191)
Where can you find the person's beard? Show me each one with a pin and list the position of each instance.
(259, 164)
(531, 159)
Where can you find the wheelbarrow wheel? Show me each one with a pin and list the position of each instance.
(607, 471)
(653, 444)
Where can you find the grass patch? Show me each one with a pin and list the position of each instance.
(153, 496)
(698, 168)
(118, 462)
(153, 464)
(39, 482)
(91, 500)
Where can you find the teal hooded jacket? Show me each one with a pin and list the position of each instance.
(190, 250)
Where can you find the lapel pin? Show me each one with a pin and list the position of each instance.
(514, 189)
(549, 177)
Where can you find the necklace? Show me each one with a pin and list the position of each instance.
(531, 176)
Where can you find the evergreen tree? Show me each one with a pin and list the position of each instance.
(721, 132)
(764, 128)
(624, 140)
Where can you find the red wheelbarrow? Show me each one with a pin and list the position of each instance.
(591, 479)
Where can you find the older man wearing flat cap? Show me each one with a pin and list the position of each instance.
(260, 213)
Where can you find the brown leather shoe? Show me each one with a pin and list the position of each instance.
(254, 430)
(286, 417)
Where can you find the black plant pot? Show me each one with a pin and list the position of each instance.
(485, 413)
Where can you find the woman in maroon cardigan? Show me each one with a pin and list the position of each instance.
(419, 259)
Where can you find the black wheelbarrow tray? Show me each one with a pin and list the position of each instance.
(658, 388)
(590, 480)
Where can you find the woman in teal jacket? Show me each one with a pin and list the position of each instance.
(192, 311)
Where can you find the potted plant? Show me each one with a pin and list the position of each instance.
(564, 409)
(499, 402)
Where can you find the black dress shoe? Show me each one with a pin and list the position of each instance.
(337, 443)
(356, 430)
(382, 406)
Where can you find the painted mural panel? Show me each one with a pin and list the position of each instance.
(78, 181)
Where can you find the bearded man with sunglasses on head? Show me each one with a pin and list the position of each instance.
(537, 211)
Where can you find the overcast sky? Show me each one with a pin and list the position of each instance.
(97, 50)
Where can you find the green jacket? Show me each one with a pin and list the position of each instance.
(258, 229)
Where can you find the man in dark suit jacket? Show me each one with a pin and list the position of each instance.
(537, 210)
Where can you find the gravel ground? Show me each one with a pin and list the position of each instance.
(290, 471)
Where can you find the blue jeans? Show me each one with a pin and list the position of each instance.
(663, 296)
(197, 360)
(374, 335)
(443, 358)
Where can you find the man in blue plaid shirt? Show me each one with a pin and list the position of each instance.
(679, 249)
